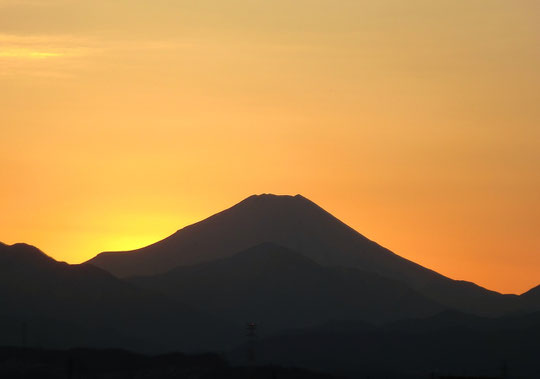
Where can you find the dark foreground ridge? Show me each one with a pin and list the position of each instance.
(448, 344)
(57, 305)
(121, 364)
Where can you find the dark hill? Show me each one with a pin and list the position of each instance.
(47, 303)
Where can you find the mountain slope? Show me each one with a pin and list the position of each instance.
(532, 294)
(60, 305)
(532, 298)
(294, 222)
(298, 224)
(280, 289)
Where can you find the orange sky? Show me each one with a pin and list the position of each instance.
(415, 122)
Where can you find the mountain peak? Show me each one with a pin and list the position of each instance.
(268, 204)
(270, 197)
(293, 222)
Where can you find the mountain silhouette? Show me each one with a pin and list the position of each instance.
(279, 289)
(317, 310)
(53, 304)
(300, 225)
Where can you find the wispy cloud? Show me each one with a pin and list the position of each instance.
(69, 55)
(43, 55)
(64, 55)
(54, 44)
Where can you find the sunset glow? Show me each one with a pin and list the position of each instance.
(415, 122)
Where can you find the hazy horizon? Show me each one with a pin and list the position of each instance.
(416, 123)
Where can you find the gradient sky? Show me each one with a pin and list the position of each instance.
(416, 122)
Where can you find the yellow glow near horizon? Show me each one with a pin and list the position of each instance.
(417, 123)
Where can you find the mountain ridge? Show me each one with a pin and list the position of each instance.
(261, 209)
(300, 225)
